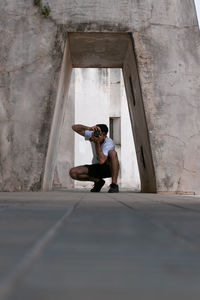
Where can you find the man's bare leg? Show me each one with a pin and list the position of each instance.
(81, 173)
(114, 165)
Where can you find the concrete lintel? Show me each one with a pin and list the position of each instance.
(98, 50)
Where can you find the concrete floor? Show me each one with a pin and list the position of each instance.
(80, 245)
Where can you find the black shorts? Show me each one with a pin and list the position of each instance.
(99, 171)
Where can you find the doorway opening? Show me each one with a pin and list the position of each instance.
(102, 51)
(96, 96)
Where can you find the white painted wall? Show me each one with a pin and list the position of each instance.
(100, 94)
(91, 107)
(95, 95)
(197, 4)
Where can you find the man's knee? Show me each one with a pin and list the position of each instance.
(73, 173)
(76, 172)
(112, 154)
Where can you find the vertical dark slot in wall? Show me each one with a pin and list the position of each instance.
(132, 92)
(142, 157)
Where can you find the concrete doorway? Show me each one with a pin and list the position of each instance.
(103, 50)
(96, 95)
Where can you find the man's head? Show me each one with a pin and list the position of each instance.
(104, 128)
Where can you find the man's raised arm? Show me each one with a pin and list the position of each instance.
(80, 129)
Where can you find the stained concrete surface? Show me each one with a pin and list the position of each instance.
(166, 38)
(79, 245)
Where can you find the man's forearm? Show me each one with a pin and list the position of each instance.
(80, 129)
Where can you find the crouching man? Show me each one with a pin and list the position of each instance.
(105, 162)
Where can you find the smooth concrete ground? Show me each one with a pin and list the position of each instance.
(80, 245)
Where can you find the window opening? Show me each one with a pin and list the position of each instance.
(115, 129)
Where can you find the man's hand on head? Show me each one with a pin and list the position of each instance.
(95, 128)
(94, 138)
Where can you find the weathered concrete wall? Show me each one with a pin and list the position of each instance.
(30, 57)
(138, 121)
(168, 53)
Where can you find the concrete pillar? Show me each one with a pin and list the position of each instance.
(65, 154)
(130, 178)
(138, 121)
(59, 111)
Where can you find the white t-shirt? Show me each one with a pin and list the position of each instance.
(105, 147)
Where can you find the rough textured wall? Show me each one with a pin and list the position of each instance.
(168, 53)
(167, 43)
(30, 57)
